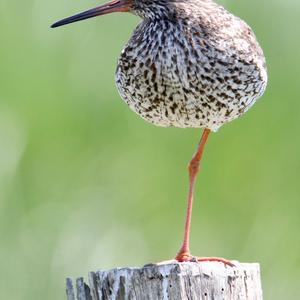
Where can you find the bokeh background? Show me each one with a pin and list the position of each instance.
(86, 184)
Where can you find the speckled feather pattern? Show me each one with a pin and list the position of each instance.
(190, 64)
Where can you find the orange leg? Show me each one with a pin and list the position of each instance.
(184, 252)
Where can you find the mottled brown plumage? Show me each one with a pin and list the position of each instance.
(189, 63)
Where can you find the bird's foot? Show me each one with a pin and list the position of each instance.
(187, 257)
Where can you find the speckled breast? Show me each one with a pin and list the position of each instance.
(175, 75)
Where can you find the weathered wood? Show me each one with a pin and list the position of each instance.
(69, 289)
(182, 281)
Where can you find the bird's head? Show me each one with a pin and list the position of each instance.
(142, 8)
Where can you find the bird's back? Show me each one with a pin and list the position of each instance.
(198, 66)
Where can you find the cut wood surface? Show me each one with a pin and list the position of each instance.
(190, 281)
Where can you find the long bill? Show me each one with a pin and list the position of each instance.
(112, 6)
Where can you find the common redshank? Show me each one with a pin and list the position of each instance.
(189, 63)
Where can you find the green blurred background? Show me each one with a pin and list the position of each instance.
(86, 184)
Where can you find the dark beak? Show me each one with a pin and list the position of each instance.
(113, 6)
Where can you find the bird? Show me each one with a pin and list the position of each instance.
(188, 64)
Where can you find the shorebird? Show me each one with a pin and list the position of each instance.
(188, 64)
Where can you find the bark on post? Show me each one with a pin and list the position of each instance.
(174, 281)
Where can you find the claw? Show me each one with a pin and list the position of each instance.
(187, 257)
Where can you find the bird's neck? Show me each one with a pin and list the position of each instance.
(172, 10)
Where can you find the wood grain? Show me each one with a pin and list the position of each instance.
(182, 281)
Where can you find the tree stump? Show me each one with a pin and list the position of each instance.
(175, 281)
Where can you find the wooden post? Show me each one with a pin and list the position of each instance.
(173, 281)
